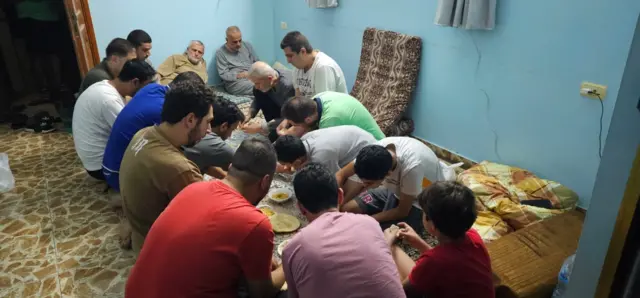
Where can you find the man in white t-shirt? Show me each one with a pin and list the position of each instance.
(315, 71)
(97, 108)
(393, 171)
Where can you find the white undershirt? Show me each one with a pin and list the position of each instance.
(93, 116)
(324, 75)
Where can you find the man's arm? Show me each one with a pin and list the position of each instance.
(166, 70)
(346, 172)
(181, 181)
(255, 108)
(399, 212)
(252, 53)
(224, 67)
(324, 80)
(255, 256)
(216, 172)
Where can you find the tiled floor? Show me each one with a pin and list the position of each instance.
(57, 233)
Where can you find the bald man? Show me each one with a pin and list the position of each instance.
(272, 89)
(233, 61)
(190, 60)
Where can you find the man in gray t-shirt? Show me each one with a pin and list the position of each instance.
(333, 147)
(212, 154)
(233, 60)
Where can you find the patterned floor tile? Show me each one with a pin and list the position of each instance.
(30, 277)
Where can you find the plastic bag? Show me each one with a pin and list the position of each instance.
(449, 172)
(7, 182)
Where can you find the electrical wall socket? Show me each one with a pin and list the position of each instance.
(283, 25)
(600, 89)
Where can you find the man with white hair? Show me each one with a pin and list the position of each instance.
(190, 60)
(272, 89)
(233, 61)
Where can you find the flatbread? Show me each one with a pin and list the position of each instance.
(284, 223)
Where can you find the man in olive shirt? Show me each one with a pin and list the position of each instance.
(118, 51)
(154, 169)
(190, 60)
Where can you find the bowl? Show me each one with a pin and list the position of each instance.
(267, 211)
(280, 195)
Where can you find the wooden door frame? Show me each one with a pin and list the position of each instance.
(88, 21)
(620, 231)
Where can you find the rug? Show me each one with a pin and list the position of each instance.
(387, 75)
(290, 207)
(234, 98)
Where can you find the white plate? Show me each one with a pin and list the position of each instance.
(280, 191)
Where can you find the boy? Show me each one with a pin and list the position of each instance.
(459, 266)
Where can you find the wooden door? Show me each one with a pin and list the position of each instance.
(84, 39)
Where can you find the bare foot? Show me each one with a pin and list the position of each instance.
(124, 234)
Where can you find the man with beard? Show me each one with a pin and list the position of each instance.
(233, 61)
(212, 241)
(153, 168)
(190, 60)
(212, 154)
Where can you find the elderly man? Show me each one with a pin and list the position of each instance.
(272, 89)
(191, 60)
(233, 61)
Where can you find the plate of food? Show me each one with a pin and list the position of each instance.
(282, 246)
(284, 223)
(266, 210)
(280, 195)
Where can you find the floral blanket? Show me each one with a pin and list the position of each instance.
(510, 198)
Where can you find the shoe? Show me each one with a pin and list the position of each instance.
(41, 123)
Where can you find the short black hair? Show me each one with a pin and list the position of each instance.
(225, 111)
(298, 108)
(289, 148)
(316, 188)
(254, 158)
(138, 37)
(187, 76)
(136, 69)
(296, 41)
(184, 98)
(373, 162)
(119, 47)
(451, 207)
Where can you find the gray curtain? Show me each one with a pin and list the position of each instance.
(322, 3)
(467, 14)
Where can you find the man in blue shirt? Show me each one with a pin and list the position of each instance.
(142, 111)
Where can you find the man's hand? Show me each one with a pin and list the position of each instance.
(283, 169)
(242, 75)
(274, 263)
(391, 234)
(282, 126)
(409, 236)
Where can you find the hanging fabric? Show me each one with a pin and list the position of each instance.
(466, 14)
(322, 3)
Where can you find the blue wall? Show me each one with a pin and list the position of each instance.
(619, 153)
(172, 24)
(532, 66)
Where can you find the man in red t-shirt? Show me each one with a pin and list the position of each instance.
(459, 266)
(211, 241)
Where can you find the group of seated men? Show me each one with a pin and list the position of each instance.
(207, 239)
